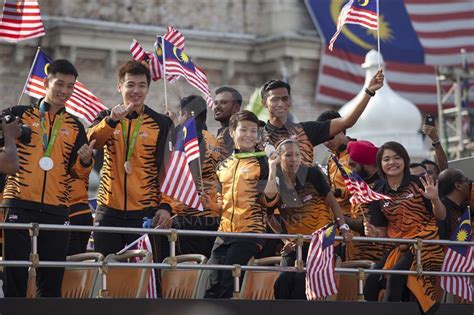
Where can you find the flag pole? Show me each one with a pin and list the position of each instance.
(29, 74)
(199, 161)
(163, 48)
(378, 34)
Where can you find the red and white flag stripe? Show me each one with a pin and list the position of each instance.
(443, 28)
(191, 149)
(21, 20)
(179, 183)
(320, 272)
(458, 285)
(82, 103)
(143, 243)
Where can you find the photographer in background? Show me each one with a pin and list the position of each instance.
(8, 152)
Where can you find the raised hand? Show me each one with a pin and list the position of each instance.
(273, 160)
(85, 152)
(377, 81)
(431, 132)
(120, 111)
(430, 188)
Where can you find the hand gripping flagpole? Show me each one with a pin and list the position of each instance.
(378, 34)
(29, 74)
(163, 49)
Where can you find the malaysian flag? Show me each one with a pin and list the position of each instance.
(179, 182)
(460, 258)
(82, 103)
(320, 273)
(139, 54)
(360, 190)
(21, 20)
(415, 37)
(143, 243)
(364, 14)
(177, 62)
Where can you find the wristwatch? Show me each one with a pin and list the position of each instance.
(344, 227)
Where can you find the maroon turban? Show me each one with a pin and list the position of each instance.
(362, 152)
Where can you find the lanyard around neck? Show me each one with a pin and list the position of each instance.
(48, 145)
(133, 141)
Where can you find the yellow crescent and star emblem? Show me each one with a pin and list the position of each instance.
(180, 55)
(386, 33)
(329, 231)
(462, 234)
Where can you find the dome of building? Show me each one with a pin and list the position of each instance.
(388, 116)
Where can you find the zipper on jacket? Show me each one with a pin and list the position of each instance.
(125, 173)
(233, 199)
(45, 173)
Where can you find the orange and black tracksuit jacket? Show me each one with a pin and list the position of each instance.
(209, 160)
(242, 182)
(35, 189)
(121, 194)
(308, 135)
(336, 181)
(79, 203)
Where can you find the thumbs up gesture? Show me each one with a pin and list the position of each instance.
(85, 152)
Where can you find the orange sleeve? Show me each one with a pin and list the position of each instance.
(101, 129)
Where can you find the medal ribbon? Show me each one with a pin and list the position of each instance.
(134, 137)
(48, 145)
(245, 155)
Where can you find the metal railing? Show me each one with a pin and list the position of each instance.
(34, 262)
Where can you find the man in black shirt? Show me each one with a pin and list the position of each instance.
(455, 190)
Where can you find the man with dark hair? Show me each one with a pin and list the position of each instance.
(204, 174)
(39, 192)
(455, 190)
(432, 168)
(227, 102)
(417, 169)
(134, 138)
(277, 99)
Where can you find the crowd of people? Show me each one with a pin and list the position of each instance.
(241, 189)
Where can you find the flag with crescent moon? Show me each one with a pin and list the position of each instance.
(416, 36)
(177, 62)
(460, 258)
(360, 12)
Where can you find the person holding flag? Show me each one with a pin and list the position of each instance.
(203, 168)
(135, 139)
(304, 199)
(39, 192)
(460, 258)
(362, 161)
(455, 190)
(411, 212)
